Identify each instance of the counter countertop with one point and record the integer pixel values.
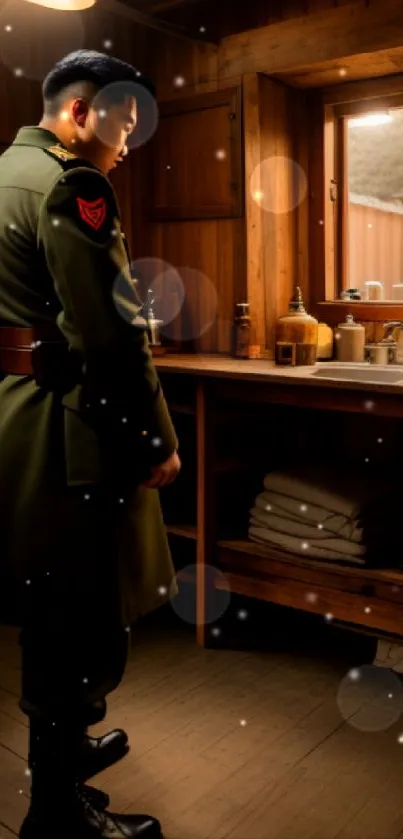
(263, 370)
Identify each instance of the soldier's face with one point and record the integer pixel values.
(106, 130)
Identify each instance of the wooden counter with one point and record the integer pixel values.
(213, 392)
(260, 371)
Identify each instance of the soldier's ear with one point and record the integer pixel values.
(80, 110)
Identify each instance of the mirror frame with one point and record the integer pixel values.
(331, 109)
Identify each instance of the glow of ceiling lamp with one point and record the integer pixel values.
(370, 120)
(64, 5)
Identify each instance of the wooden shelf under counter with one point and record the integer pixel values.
(365, 599)
(372, 597)
(185, 531)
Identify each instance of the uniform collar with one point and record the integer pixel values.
(34, 135)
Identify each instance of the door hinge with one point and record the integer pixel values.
(333, 190)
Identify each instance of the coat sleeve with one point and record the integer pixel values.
(80, 235)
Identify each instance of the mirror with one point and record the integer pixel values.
(372, 222)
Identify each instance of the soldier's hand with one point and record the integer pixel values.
(165, 473)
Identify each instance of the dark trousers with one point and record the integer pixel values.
(73, 644)
(73, 654)
(70, 660)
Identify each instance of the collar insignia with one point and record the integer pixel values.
(61, 153)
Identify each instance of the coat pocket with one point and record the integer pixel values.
(82, 448)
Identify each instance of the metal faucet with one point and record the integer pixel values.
(390, 339)
(391, 328)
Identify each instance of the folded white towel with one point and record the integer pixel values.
(290, 544)
(301, 528)
(339, 546)
(334, 490)
(294, 510)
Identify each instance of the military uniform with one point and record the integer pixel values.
(82, 538)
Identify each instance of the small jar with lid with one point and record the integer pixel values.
(296, 338)
(350, 341)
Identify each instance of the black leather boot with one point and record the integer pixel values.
(98, 799)
(97, 753)
(83, 821)
(58, 807)
(95, 712)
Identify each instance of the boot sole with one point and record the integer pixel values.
(29, 830)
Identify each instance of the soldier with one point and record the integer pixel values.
(86, 440)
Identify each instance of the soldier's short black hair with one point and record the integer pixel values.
(90, 66)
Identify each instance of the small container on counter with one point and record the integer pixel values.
(397, 291)
(325, 342)
(380, 353)
(242, 332)
(373, 291)
(351, 294)
(350, 340)
(296, 336)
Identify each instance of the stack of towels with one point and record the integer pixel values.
(323, 513)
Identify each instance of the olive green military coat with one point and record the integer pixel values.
(61, 253)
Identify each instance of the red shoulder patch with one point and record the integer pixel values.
(92, 212)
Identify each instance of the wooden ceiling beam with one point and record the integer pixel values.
(151, 22)
(333, 34)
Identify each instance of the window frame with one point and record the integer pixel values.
(329, 152)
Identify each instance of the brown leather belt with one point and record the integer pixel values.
(19, 346)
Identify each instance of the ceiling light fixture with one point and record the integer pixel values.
(370, 120)
(64, 5)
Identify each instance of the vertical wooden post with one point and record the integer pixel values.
(271, 217)
(254, 222)
(343, 279)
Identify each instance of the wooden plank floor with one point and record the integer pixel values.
(227, 743)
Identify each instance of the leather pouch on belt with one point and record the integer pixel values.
(82, 450)
(54, 366)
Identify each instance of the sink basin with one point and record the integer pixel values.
(374, 373)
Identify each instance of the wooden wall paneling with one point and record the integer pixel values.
(130, 183)
(341, 31)
(127, 39)
(215, 248)
(314, 6)
(226, 17)
(179, 69)
(231, 271)
(295, 8)
(197, 158)
(209, 256)
(280, 219)
(272, 208)
(202, 290)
